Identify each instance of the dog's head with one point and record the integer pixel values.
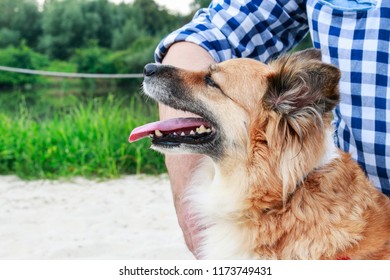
(245, 106)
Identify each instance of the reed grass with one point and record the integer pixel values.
(88, 140)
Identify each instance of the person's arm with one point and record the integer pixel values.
(192, 57)
(229, 29)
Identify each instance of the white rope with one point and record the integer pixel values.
(70, 75)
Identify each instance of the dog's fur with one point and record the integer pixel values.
(274, 185)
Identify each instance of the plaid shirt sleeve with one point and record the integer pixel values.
(230, 29)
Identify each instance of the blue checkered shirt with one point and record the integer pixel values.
(353, 35)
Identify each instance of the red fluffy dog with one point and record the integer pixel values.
(274, 186)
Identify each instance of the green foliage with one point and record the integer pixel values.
(87, 140)
(23, 18)
(134, 59)
(69, 25)
(64, 27)
(21, 57)
(61, 66)
(93, 60)
(154, 19)
(124, 38)
(131, 60)
(9, 37)
(100, 20)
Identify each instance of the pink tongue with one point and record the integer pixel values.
(165, 126)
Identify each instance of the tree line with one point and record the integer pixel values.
(60, 27)
(95, 36)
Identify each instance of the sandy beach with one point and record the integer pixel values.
(128, 218)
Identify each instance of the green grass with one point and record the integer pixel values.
(89, 139)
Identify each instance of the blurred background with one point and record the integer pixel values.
(53, 127)
(62, 127)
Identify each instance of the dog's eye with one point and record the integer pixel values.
(210, 82)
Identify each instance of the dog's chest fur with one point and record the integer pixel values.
(215, 204)
(319, 225)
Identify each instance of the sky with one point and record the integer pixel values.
(181, 6)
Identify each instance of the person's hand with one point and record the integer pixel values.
(180, 167)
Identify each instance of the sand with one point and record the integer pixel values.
(129, 218)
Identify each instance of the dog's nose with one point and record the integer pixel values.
(150, 69)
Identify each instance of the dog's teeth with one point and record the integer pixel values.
(192, 132)
(175, 134)
(151, 135)
(208, 130)
(158, 133)
(182, 134)
(201, 129)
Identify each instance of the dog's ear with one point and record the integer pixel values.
(301, 83)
